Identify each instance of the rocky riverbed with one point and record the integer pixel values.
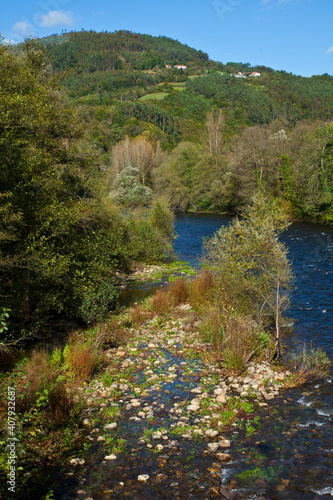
(157, 424)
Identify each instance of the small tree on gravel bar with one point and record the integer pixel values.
(253, 264)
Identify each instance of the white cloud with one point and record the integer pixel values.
(56, 18)
(22, 28)
(330, 50)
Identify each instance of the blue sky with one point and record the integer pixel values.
(291, 35)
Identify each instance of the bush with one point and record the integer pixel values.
(97, 303)
(200, 289)
(60, 403)
(236, 338)
(178, 292)
(36, 376)
(160, 303)
(81, 358)
(308, 363)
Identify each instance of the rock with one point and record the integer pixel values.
(227, 495)
(86, 421)
(193, 408)
(100, 438)
(224, 443)
(143, 478)
(213, 447)
(196, 390)
(221, 398)
(159, 447)
(77, 461)
(110, 457)
(196, 402)
(218, 391)
(111, 426)
(211, 433)
(223, 457)
(120, 354)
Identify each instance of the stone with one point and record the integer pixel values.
(223, 457)
(211, 433)
(111, 457)
(221, 398)
(193, 408)
(159, 447)
(143, 478)
(196, 402)
(213, 447)
(224, 443)
(100, 438)
(111, 426)
(196, 390)
(77, 461)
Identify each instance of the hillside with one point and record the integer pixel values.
(223, 133)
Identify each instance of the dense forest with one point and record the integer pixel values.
(99, 140)
(216, 135)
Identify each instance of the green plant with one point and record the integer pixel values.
(81, 358)
(97, 303)
(308, 363)
(57, 358)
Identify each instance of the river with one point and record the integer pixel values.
(291, 454)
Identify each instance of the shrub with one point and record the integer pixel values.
(36, 375)
(200, 289)
(97, 303)
(81, 358)
(161, 303)
(178, 292)
(308, 363)
(236, 338)
(60, 403)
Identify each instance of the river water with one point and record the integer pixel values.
(290, 456)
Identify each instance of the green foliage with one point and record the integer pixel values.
(128, 191)
(91, 51)
(309, 363)
(60, 233)
(97, 303)
(253, 265)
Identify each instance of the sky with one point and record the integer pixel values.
(291, 35)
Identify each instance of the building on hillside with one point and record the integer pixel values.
(255, 74)
(168, 66)
(180, 66)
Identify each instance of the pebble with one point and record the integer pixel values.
(143, 478)
(111, 426)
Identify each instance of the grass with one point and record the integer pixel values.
(156, 97)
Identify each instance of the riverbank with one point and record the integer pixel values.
(157, 403)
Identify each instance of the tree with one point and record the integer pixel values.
(253, 264)
(57, 241)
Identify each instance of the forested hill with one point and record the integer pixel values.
(206, 136)
(90, 51)
(126, 66)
